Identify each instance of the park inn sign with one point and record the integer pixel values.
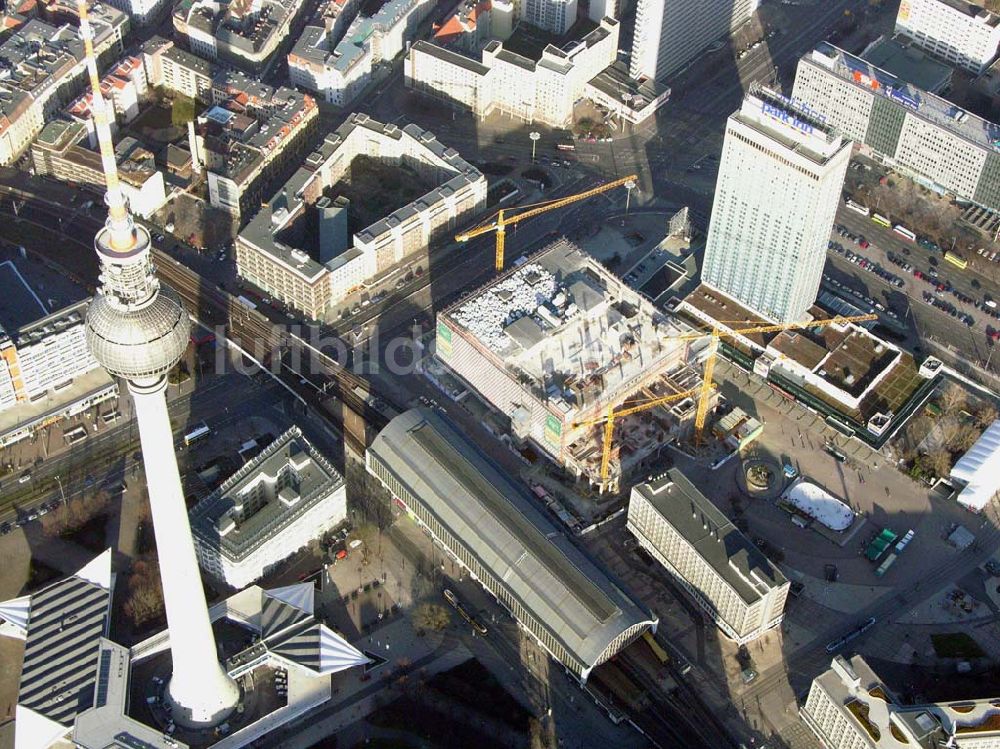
(787, 117)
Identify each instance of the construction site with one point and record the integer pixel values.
(558, 344)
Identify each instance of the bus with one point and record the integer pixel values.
(566, 146)
(904, 233)
(857, 207)
(246, 302)
(881, 220)
(955, 259)
(200, 432)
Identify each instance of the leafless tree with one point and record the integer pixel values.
(431, 616)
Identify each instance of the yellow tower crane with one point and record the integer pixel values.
(705, 395)
(501, 221)
(608, 420)
(704, 392)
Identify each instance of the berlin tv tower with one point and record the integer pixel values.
(138, 331)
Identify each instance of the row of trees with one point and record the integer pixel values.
(72, 515)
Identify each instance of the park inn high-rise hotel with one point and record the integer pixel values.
(779, 184)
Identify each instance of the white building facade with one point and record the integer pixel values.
(555, 16)
(671, 33)
(543, 91)
(964, 34)
(46, 355)
(721, 569)
(300, 281)
(923, 136)
(142, 12)
(779, 185)
(273, 506)
(339, 68)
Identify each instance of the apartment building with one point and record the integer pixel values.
(779, 185)
(849, 707)
(272, 253)
(42, 69)
(963, 34)
(339, 67)
(250, 130)
(277, 503)
(124, 87)
(708, 556)
(936, 143)
(669, 34)
(533, 91)
(59, 152)
(310, 60)
(177, 70)
(242, 33)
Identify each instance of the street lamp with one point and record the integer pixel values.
(534, 135)
(61, 492)
(629, 187)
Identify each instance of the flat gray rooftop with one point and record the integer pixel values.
(731, 554)
(910, 63)
(497, 522)
(294, 476)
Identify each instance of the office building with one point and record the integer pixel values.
(44, 70)
(177, 70)
(250, 132)
(554, 342)
(669, 34)
(490, 526)
(849, 707)
(47, 373)
(60, 152)
(908, 62)
(267, 511)
(708, 556)
(272, 251)
(961, 33)
(45, 355)
(780, 179)
(555, 16)
(533, 91)
(339, 67)
(923, 136)
(242, 33)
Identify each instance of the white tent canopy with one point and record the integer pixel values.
(979, 470)
(820, 505)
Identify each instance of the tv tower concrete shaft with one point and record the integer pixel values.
(138, 331)
(200, 690)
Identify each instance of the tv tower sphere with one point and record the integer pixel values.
(133, 337)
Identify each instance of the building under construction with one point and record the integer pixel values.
(555, 341)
